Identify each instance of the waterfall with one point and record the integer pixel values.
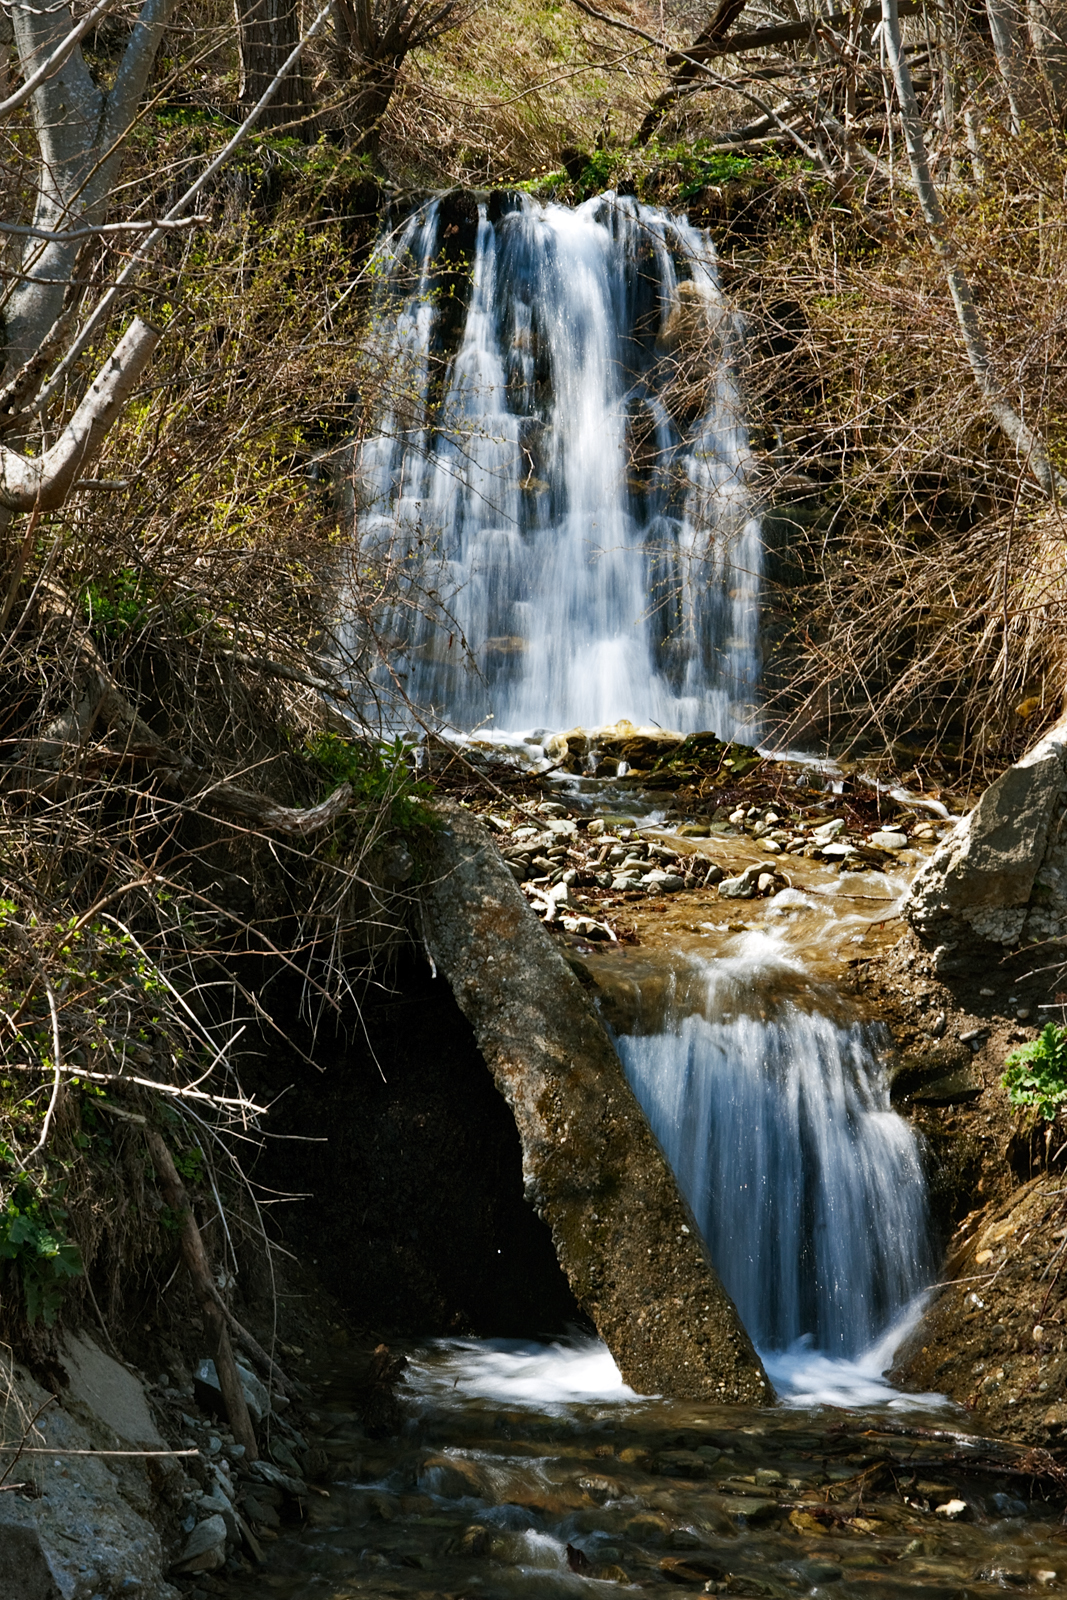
(552, 499)
(807, 1188)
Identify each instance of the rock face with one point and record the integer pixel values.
(81, 1526)
(1002, 872)
(591, 1167)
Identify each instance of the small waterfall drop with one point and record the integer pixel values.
(555, 486)
(808, 1189)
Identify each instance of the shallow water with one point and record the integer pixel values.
(531, 1470)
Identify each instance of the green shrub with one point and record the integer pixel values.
(1036, 1073)
(33, 1239)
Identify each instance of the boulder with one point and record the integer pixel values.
(111, 1392)
(83, 1529)
(1002, 872)
(591, 1166)
(205, 1549)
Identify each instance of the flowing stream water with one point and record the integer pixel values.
(555, 497)
(807, 1188)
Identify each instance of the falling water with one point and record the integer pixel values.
(553, 497)
(807, 1188)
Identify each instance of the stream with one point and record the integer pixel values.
(561, 486)
(528, 1469)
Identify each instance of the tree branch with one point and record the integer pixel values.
(56, 59)
(40, 483)
(1032, 452)
(137, 261)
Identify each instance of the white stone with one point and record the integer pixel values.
(889, 841)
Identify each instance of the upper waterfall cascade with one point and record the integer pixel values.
(808, 1189)
(555, 487)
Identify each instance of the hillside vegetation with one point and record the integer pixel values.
(162, 860)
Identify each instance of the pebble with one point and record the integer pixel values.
(889, 841)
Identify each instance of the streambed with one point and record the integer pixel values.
(530, 1470)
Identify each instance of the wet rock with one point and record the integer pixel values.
(260, 1511)
(451, 1477)
(205, 1549)
(207, 1391)
(692, 1569)
(681, 1464)
(1008, 1505)
(648, 1528)
(592, 1168)
(815, 1571)
(474, 1541)
(277, 1479)
(664, 882)
(744, 887)
(754, 1512)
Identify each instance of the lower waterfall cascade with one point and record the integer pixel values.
(559, 500)
(807, 1188)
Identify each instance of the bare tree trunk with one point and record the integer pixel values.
(1047, 25)
(79, 129)
(1032, 452)
(195, 1258)
(268, 31)
(1009, 44)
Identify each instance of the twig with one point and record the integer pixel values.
(196, 1262)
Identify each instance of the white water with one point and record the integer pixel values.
(521, 1372)
(567, 541)
(807, 1188)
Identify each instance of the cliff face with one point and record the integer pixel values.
(591, 1167)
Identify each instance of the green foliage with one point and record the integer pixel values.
(1036, 1073)
(190, 1164)
(33, 1239)
(116, 604)
(378, 772)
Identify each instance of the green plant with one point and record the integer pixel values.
(115, 604)
(1036, 1073)
(378, 772)
(33, 1238)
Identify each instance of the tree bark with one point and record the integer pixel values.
(79, 130)
(41, 483)
(1047, 26)
(268, 31)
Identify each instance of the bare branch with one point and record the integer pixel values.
(29, 483)
(177, 210)
(48, 68)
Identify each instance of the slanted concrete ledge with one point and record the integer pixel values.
(1002, 872)
(592, 1168)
